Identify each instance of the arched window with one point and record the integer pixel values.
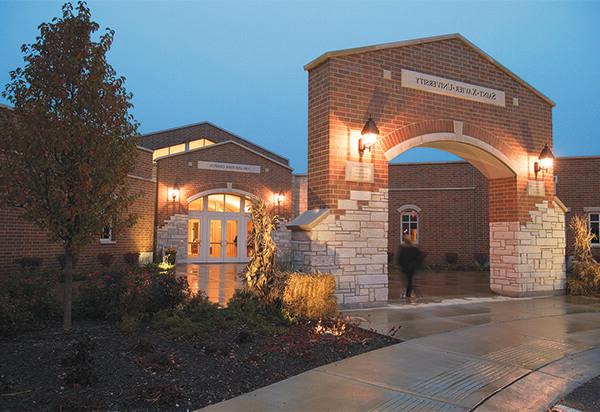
(221, 202)
(409, 222)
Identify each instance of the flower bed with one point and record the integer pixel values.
(98, 367)
(143, 342)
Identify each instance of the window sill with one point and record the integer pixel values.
(595, 245)
(107, 242)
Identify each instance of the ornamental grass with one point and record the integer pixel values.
(585, 276)
(310, 296)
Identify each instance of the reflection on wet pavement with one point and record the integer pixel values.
(218, 280)
(555, 318)
(436, 285)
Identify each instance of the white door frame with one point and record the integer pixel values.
(205, 218)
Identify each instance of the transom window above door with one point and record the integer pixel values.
(221, 202)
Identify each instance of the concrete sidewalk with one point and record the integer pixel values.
(493, 355)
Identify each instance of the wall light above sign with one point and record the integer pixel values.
(452, 88)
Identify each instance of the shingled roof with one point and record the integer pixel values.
(202, 130)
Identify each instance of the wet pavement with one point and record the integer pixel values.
(218, 280)
(492, 354)
(433, 286)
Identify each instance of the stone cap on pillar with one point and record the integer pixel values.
(308, 220)
(560, 204)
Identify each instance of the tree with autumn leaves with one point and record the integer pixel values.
(67, 143)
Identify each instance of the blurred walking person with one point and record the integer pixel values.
(409, 259)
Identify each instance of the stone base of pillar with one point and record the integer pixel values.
(352, 246)
(528, 259)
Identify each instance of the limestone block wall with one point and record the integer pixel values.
(352, 245)
(173, 234)
(529, 258)
(283, 239)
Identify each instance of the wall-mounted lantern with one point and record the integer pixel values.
(174, 192)
(546, 160)
(369, 135)
(279, 198)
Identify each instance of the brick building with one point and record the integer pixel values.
(348, 213)
(447, 203)
(206, 178)
(197, 183)
(443, 206)
(20, 238)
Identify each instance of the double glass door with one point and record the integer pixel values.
(217, 238)
(223, 239)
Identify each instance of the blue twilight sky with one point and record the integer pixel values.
(239, 63)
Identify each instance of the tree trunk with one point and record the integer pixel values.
(68, 290)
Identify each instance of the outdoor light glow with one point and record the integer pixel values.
(546, 163)
(369, 135)
(546, 160)
(280, 198)
(174, 193)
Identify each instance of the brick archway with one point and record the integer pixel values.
(477, 146)
(502, 139)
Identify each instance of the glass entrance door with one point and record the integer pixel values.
(216, 239)
(218, 229)
(224, 240)
(194, 238)
(231, 239)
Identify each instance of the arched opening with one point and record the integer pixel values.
(443, 207)
(218, 225)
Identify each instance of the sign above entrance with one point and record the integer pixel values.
(453, 88)
(228, 167)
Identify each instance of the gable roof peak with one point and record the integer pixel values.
(456, 36)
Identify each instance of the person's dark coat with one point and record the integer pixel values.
(410, 258)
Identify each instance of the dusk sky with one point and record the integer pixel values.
(239, 64)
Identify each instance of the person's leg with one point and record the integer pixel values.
(409, 284)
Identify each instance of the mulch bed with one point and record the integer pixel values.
(586, 397)
(97, 367)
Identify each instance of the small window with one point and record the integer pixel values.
(178, 148)
(410, 226)
(194, 144)
(160, 153)
(595, 227)
(106, 236)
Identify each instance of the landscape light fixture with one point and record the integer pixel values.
(369, 135)
(546, 160)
